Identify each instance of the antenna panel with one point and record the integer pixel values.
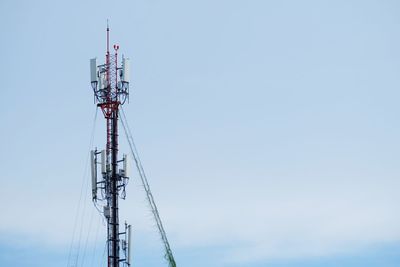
(94, 173)
(129, 245)
(126, 166)
(102, 80)
(125, 70)
(103, 161)
(93, 70)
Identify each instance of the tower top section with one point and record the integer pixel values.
(110, 82)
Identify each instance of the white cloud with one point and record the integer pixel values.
(302, 219)
(256, 215)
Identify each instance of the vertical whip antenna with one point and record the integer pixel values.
(108, 38)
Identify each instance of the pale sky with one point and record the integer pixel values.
(268, 130)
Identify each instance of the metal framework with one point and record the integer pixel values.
(110, 85)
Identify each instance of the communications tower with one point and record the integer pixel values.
(110, 84)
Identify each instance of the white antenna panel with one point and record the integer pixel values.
(94, 173)
(129, 245)
(93, 70)
(126, 70)
(102, 81)
(103, 161)
(127, 168)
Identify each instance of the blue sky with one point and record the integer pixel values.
(268, 130)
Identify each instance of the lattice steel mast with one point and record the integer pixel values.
(110, 85)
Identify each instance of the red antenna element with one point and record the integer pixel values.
(111, 91)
